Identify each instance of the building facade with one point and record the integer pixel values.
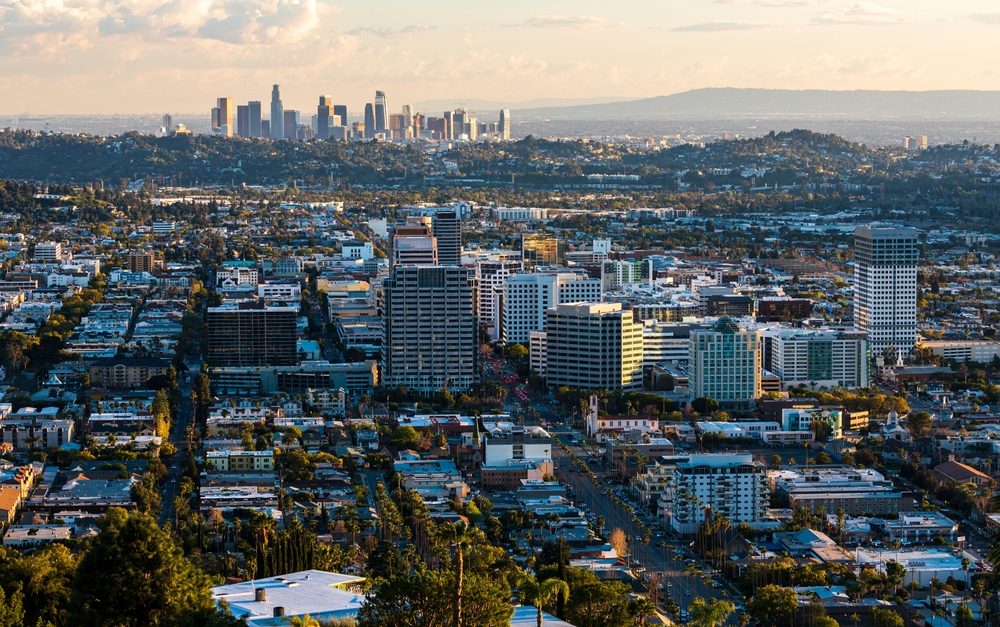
(732, 485)
(885, 288)
(725, 364)
(527, 297)
(817, 358)
(431, 332)
(593, 346)
(251, 333)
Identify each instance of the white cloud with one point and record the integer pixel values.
(27, 24)
(986, 18)
(858, 13)
(387, 32)
(708, 27)
(564, 21)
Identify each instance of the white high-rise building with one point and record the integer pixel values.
(492, 276)
(732, 485)
(817, 358)
(885, 288)
(527, 297)
(725, 364)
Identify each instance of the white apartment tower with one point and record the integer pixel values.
(732, 485)
(885, 288)
(527, 297)
(492, 277)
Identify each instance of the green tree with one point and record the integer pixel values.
(132, 574)
(705, 405)
(426, 598)
(45, 576)
(713, 613)
(12, 608)
(538, 593)
(918, 422)
(595, 603)
(773, 605)
(405, 437)
(895, 573)
(886, 618)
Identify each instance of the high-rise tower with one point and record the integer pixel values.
(431, 332)
(381, 113)
(448, 231)
(277, 114)
(885, 288)
(255, 119)
(324, 117)
(504, 124)
(369, 120)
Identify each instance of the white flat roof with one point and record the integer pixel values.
(314, 592)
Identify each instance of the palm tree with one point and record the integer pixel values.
(458, 535)
(538, 593)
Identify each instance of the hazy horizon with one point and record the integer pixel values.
(120, 57)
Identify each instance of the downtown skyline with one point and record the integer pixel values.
(139, 56)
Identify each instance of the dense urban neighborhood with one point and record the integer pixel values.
(536, 382)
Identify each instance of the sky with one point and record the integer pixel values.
(149, 56)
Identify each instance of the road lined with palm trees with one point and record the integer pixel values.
(681, 580)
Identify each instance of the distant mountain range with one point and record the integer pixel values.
(712, 103)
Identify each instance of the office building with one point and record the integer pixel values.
(593, 346)
(449, 125)
(408, 126)
(817, 358)
(666, 342)
(431, 334)
(254, 113)
(324, 117)
(504, 127)
(381, 113)
(701, 486)
(540, 249)
(251, 333)
(369, 125)
(725, 364)
(827, 489)
(340, 113)
(141, 261)
(976, 351)
(459, 121)
(617, 274)
(515, 454)
(167, 124)
(492, 277)
(414, 243)
(222, 117)
(885, 289)
(243, 120)
(448, 231)
(277, 114)
(527, 298)
(48, 251)
(290, 124)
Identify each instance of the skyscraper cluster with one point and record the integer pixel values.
(331, 122)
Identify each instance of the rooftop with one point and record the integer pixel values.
(321, 594)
